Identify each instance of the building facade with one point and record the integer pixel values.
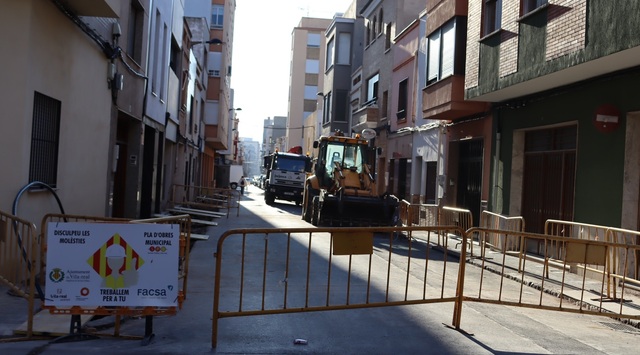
(306, 77)
(560, 75)
(60, 114)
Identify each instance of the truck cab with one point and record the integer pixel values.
(285, 176)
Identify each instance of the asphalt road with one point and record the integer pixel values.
(415, 329)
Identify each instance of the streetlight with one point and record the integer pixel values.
(211, 41)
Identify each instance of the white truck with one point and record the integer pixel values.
(286, 173)
(228, 176)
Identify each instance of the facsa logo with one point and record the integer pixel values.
(152, 292)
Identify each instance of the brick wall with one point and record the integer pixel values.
(566, 27)
(509, 37)
(473, 46)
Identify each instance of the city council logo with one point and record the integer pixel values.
(56, 275)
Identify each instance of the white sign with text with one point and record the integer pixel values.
(102, 264)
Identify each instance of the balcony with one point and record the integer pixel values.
(365, 117)
(93, 8)
(444, 100)
(215, 138)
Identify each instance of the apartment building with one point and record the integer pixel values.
(404, 111)
(306, 77)
(113, 102)
(219, 108)
(382, 21)
(561, 77)
(58, 116)
(336, 87)
(274, 135)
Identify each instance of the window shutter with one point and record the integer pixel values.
(434, 57)
(448, 48)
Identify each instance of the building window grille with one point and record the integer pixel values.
(45, 136)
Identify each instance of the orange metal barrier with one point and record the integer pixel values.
(275, 271)
(417, 214)
(590, 295)
(490, 220)
(18, 261)
(316, 269)
(622, 264)
(184, 222)
(626, 261)
(460, 217)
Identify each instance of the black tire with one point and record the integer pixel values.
(233, 185)
(315, 211)
(269, 198)
(307, 208)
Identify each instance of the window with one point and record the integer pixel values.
(385, 104)
(312, 66)
(174, 59)
(163, 64)
(403, 86)
(326, 112)
(374, 28)
(344, 48)
(387, 41)
(156, 53)
(530, 5)
(313, 40)
(135, 32)
(330, 53)
(372, 88)
(381, 22)
(441, 52)
(491, 16)
(340, 104)
(214, 63)
(191, 112)
(217, 16)
(45, 136)
(310, 92)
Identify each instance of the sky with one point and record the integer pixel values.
(261, 56)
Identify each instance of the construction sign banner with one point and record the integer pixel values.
(101, 264)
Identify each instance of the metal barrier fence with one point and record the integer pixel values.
(622, 263)
(184, 221)
(206, 198)
(417, 214)
(316, 269)
(23, 267)
(626, 261)
(490, 220)
(426, 215)
(460, 217)
(590, 295)
(275, 271)
(19, 260)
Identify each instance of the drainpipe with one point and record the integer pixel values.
(496, 169)
(441, 161)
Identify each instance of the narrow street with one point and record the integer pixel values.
(426, 329)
